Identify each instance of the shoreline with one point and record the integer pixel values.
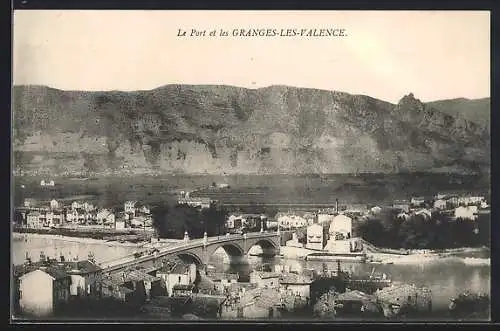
(414, 257)
(81, 240)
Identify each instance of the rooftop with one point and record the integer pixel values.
(267, 275)
(353, 296)
(54, 271)
(291, 278)
(138, 275)
(174, 268)
(57, 267)
(183, 287)
(221, 276)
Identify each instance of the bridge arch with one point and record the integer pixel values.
(188, 257)
(268, 246)
(233, 251)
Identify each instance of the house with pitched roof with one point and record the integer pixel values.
(43, 290)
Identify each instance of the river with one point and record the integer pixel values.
(445, 277)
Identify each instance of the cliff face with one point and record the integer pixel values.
(223, 129)
(477, 110)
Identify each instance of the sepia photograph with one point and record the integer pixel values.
(319, 166)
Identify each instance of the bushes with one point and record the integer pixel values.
(172, 221)
(417, 232)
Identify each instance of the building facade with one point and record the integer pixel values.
(315, 237)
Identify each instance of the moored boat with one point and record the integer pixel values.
(350, 257)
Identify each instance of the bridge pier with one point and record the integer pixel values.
(238, 259)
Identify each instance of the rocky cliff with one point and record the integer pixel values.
(224, 129)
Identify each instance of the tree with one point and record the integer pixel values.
(373, 231)
(173, 221)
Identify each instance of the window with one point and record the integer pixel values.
(179, 279)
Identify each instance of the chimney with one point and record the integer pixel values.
(27, 259)
(336, 205)
(43, 258)
(75, 263)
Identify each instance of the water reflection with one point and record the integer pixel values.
(446, 278)
(54, 247)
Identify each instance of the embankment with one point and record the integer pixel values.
(82, 240)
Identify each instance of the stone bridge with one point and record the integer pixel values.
(199, 251)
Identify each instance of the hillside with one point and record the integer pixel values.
(477, 110)
(224, 129)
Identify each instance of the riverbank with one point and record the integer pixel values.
(80, 240)
(414, 257)
(431, 257)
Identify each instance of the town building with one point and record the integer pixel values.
(182, 290)
(112, 287)
(44, 182)
(294, 242)
(271, 224)
(43, 290)
(264, 279)
(279, 268)
(222, 281)
(34, 220)
(315, 237)
(402, 205)
(259, 303)
(440, 204)
(76, 205)
(470, 200)
(234, 222)
(54, 204)
(469, 212)
(84, 276)
(340, 227)
(145, 285)
(173, 273)
(325, 218)
(291, 221)
(296, 284)
(339, 234)
(105, 216)
(375, 210)
(30, 203)
(129, 207)
(403, 216)
(197, 202)
(120, 224)
(425, 213)
(417, 202)
(441, 196)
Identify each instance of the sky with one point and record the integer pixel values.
(385, 54)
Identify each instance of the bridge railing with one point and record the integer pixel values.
(194, 243)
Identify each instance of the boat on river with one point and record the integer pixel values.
(369, 283)
(347, 257)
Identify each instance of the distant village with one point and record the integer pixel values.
(339, 220)
(55, 214)
(134, 215)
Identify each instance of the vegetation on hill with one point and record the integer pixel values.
(477, 110)
(224, 129)
(439, 232)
